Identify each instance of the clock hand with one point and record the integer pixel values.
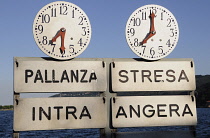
(61, 33)
(152, 31)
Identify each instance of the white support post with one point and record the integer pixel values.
(15, 102)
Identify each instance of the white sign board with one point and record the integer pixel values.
(142, 111)
(59, 113)
(162, 75)
(39, 75)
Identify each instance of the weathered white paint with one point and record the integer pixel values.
(162, 75)
(60, 113)
(139, 111)
(38, 75)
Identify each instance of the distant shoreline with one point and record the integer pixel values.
(6, 109)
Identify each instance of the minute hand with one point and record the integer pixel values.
(61, 33)
(152, 29)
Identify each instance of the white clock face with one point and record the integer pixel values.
(62, 30)
(152, 32)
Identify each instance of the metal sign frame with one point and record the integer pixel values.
(107, 87)
(162, 75)
(59, 113)
(47, 75)
(144, 111)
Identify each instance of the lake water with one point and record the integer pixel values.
(202, 129)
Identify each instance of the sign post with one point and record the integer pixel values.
(109, 77)
(43, 75)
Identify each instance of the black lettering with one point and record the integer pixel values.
(53, 77)
(181, 77)
(157, 75)
(38, 77)
(170, 75)
(28, 73)
(152, 111)
(121, 75)
(47, 81)
(33, 113)
(64, 76)
(161, 110)
(136, 112)
(74, 76)
(85, 114)
(71, 112)
(146, 75)
(83, 76)
(119, 112)
(134, 74)
(58, 111)
(185, 110)
(175, 109)
(42, 111)
(92, 77)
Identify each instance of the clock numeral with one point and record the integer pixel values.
(44, 40)
(144, 47)
(160, 48)
(81, 21)
(63, 10)
(84, 29)
(53, 49)
(80, 42)
(136, 42)
(172, 32)
(154, 11)
(136, 21)
(169, 22)
(168, 43)
(132, 31)
(162, 15)
(152, 51)
(71, 48)
(40, 28)
(144, 16)
(73, 13)
(45, 18)
(53, 12)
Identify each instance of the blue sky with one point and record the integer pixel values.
(108, 20)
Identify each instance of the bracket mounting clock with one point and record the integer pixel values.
(152, 32)
(62, 30)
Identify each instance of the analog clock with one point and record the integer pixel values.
(152, 32)
(62, 30)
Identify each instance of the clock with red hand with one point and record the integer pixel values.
(62, 30)
(152, 32)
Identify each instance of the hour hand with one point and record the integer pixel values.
(152, 31)
(60, 33)
(148, 37)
